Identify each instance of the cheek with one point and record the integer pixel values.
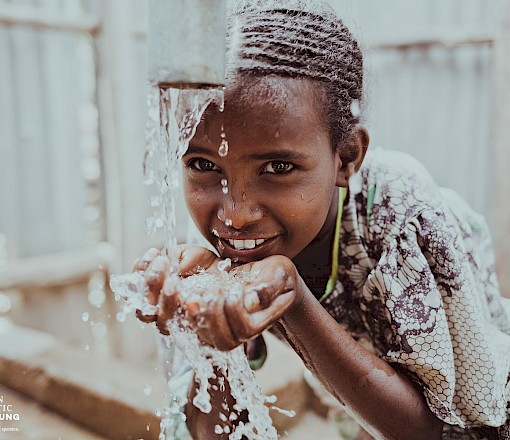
(200, 203)
(306, 210)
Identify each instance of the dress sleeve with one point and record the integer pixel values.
(431, 299)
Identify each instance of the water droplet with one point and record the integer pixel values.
(355, 108)
(147, 390)
(155, 201)
(223, 150)
(86, 348)
(225, 190)
(228, 222)
(224, 182)
(271, 399)
(97, 297)
(85, 317)
(225, 264)
(218, 429)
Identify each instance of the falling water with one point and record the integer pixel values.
(172, 121)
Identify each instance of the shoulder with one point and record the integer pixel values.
(391, 189)
(392, 170)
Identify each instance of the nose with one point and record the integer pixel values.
(238, 214)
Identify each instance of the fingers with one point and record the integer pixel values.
(262, 319)
(168, 304)
(155, 277)
(207, 317)
(247, 323)
(145, 318)
(219, 326)
(191, 258)
(143, 262)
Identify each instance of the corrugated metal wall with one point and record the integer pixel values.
(51, 191)
(432, 101)
(49, 168)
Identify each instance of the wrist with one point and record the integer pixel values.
(301, 290)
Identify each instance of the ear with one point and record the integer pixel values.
(352, 153)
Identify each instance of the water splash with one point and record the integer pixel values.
(206, 360)
(172, 120)
(171, 123)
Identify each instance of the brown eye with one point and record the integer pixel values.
(201, 164)
(278, 167)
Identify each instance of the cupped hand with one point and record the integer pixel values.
(225, 320)
(161, 286)
(221, 318)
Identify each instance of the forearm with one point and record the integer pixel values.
(201, 425)
(383, 400)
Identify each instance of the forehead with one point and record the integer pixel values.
(269, 104)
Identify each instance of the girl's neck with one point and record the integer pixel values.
(314, 262)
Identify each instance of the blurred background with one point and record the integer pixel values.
(73, 105)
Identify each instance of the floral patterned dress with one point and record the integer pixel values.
(416, 283)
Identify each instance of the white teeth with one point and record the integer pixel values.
(245, 244)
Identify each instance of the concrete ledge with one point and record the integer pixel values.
(107, 397)
(38, 423)
(104, 396)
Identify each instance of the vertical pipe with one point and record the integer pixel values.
(186, 43)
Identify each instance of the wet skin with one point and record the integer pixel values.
(281, 173)
(282, 176)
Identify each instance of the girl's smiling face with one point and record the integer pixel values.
(281, 171)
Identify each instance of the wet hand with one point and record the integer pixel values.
(161, 286)
(225, 320)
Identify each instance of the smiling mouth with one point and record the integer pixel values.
(248, 246)
(245, 244)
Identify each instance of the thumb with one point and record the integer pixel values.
(192, 258)
(275, 276)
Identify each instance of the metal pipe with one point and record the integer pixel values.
(186, 43)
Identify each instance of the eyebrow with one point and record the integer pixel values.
(274, 155)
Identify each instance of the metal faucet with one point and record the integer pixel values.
(186, 43)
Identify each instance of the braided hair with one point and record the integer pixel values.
(300, 39)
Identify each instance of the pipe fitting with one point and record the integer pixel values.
(186, 43)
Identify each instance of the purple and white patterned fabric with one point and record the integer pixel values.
(416, 282)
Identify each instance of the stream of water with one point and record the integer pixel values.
(173, 117)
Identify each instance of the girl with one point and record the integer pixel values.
(382, 282)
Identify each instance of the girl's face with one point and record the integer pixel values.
(280, 172)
